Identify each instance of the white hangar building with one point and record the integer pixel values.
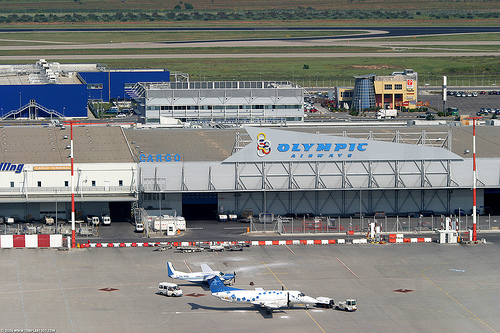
(35, 172)
(328, 171)
(199, 172)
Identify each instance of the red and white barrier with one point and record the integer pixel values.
(393, 239)
(30, 241)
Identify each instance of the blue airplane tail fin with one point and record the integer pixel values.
(170, 269)
(216, 285)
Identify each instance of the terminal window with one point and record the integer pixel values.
(398, 87)
(120, 182)
(11, 184)
(388, 86)
(66, 183)
(93, 183)
(39, 183)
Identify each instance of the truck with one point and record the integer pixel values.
(387, 114)
(169, 289)
(328, 303)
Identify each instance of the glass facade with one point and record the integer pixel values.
(364, 92)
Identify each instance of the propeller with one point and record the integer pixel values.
(288, 299)
(234, 276)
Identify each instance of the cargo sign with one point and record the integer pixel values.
(52, 168)
(7, 166)
(159, 158)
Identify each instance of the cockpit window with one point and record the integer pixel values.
(302, 295)
(221, 274)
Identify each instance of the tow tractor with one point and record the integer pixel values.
(328, 303)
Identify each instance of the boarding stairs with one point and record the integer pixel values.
(32, 111)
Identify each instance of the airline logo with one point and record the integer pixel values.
(263, 145)
(6, 166)
(310, 149)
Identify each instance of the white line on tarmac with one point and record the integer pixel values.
(347, 267)
(289, 249)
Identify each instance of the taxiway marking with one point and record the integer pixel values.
(347, 267)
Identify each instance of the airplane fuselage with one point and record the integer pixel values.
(279, 298)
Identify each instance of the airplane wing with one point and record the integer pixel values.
(205, 268)
(272, 304)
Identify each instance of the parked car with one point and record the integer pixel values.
(459, 212)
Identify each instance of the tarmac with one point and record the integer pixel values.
(422, 287)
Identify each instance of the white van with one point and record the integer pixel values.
(169, 289)
(106, 220)
(93, 220)
(139, 227)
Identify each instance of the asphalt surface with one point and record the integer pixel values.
(421, 287)
(211, 230)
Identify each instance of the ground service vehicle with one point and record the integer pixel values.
(169, 289)
(139, 227)
(325, 302)
(49, 220)
(94, 220)
(347, 305)
(106, 220)
(387, 114)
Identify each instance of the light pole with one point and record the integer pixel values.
(474, 176)
(73, 245)
(474, 68)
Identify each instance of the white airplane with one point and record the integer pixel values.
(198, 277)
(269, 299)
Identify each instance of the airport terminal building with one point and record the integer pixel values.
(201, 172)
(229, 101)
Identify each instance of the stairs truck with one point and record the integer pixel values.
(387, 114)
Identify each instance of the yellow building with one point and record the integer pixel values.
(397, 90)
(393, 91)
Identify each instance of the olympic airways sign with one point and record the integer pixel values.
(309, 150)
(277, 145)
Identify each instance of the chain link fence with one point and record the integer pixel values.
(361, 225)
